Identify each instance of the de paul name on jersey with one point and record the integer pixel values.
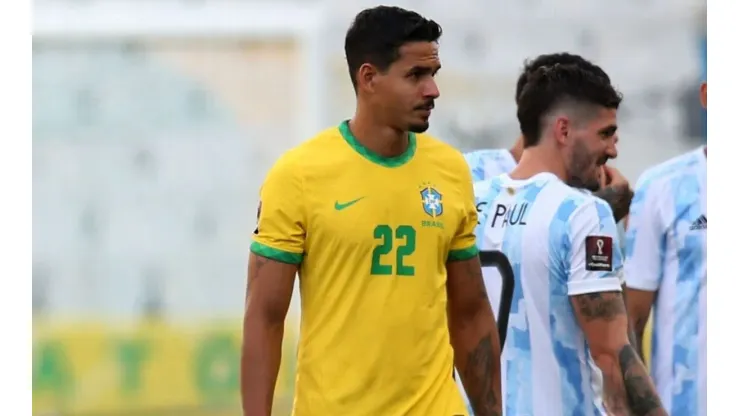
(513, 214)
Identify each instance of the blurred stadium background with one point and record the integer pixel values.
(155, 121)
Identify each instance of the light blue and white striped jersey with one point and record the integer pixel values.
(561, 243)
(666, 252)
(489, 163)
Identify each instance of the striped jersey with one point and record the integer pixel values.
(666, 252)
(489, 163)
(484, 166)
(561, 243)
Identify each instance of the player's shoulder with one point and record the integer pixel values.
(659, 177)
(484, 155)
(321, 141)
(295, 158)
(486, 163)
(435, 148)
(576, 203)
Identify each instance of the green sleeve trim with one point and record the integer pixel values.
(276, 254)
(464, 254)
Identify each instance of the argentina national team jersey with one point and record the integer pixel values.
(666, 253)
(489, 163)
(561, 243)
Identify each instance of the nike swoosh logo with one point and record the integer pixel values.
(339, 207)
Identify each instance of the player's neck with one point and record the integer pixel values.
(536, 160)
(517, 149)
(380, 139)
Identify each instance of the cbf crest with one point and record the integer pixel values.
(431, 200)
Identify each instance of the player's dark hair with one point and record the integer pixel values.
(550, 87)
(377, 34)
(562, 58)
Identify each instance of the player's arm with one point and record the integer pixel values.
(473, 331)
(645, 239)
(616, 192)
(594, 288)
(276, 252)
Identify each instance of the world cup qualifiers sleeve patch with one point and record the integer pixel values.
(259, 210)
(599, 253)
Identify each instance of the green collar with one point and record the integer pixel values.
(389, 162)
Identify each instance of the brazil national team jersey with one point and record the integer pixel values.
(372, 236)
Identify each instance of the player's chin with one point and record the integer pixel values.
(419, 126)
(592, 185)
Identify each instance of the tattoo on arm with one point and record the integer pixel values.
(482, 392)
(627, 384)
(641, 395)
(604, 305)
(475, 336)
(618, 198)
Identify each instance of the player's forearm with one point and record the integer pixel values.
(261, 353)
(628, 389)
(478, 359)
(638, 325)
(631, 333)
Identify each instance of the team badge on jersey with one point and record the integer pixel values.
(431, 201)
(599, 253)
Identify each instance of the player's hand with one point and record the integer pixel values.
(616, 191)
(602, 177)
(611, 176)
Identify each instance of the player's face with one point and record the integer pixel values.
(407, 90)
(703, 94)
(591, 145)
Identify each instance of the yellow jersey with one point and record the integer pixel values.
(372, 236)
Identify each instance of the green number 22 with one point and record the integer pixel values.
(384, 233)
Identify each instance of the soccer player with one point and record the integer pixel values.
(666, 269)
(568, 318)
(488, 163)
(379, 221)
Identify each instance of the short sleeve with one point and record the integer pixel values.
(281, 225)
(463, 243)
(645, 239)
(594, 263)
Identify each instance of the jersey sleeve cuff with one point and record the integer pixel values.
(641, 284)
(620, 275)
(275, 253)
(605, 284)
(463, 254)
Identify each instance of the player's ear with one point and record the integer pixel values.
(366, 76)
(703, 94)
(562, 128)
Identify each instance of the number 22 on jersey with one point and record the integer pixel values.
(403, 239)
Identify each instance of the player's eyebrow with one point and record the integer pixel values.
(424, 70)
(608, 131)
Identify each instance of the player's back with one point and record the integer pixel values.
(547, 369)
(488, 163)
(378, 232)
(666, 253)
